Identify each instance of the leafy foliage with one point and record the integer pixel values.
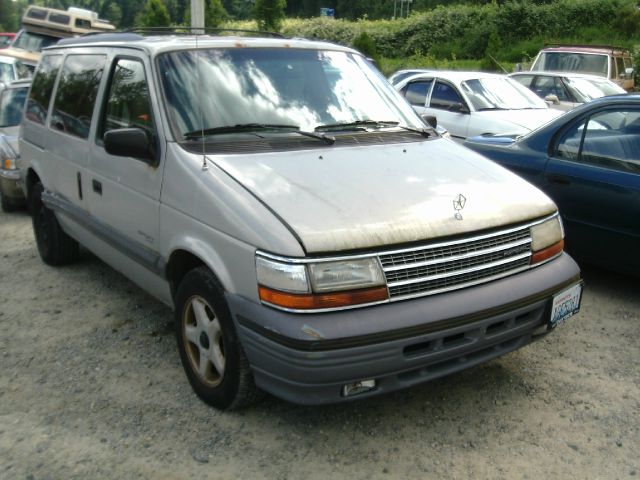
(154, 14)
(269, 14)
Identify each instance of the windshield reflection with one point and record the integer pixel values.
(500, 94)
(207, 89)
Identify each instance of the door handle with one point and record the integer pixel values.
(97, 187)
(558, 179)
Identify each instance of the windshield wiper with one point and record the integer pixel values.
(361, 124)
(356, 125)
(252, 127)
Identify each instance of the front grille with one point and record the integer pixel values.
(448, 266)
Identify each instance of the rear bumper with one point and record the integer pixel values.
(308, 358)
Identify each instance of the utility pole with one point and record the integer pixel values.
(197, 16)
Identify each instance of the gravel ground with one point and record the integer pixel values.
(91, 386)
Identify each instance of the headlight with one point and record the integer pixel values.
(282, 276)
(547, 239)
(7, 155)
(320, 285)
(345, 275)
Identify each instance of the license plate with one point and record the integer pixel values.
(565, 304)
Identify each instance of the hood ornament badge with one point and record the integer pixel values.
(458, 205)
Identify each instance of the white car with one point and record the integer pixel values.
(566, 90)
(468, 104)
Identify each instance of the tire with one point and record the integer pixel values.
(54, 245)
(210, 351)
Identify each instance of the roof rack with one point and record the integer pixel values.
(609, 47)
(197, 30)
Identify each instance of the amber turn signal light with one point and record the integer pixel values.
(547, 253)
(311, 301)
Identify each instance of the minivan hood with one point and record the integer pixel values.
(528, 119)
(349, 198)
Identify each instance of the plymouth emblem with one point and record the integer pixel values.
(458, 205)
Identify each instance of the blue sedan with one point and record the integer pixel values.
(588, 162)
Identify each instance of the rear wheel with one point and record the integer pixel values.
(211, 353)
(54, 245)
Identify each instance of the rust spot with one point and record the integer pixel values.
(239, 45)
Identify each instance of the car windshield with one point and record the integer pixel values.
(34, 42)
(586, 89)
(499, 93)
(216, 89)
(572, 62)
(11, 106)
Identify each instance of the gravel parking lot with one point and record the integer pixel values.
(91, 386)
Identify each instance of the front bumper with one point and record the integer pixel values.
(11, 184)
(308, 358)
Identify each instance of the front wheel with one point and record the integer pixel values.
(210, 351)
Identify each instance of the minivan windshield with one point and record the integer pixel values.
(216, 89)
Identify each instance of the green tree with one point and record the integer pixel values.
(8, 16)
(365, 44)
(214, 13)
(269, 14)
(154, 14)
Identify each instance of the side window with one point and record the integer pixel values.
(546, 85)
(76, 94)
(41, 89)
(444, 96)
(416, 92)
(611, 140)
(524, 80)
(620, 66)
(128, 103)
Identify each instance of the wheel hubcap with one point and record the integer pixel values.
(202, 337)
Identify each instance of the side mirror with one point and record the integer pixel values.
(430, 120)
(130, 142)
(458, 107)
(552, 99)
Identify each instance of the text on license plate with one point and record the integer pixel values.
(565, 304)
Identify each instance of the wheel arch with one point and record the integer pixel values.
(183, 260)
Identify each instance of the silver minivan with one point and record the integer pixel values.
(315, 238)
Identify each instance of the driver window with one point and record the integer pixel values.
(416, 92)
(128, 103)
(444, 96)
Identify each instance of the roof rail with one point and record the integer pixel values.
(610, 47)
(178, 30)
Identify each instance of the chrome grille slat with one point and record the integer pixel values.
(465, 256)
(456, 272)
(431, 269)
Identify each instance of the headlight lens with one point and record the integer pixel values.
(320, 285)
(7, 155)
(546, 233)
(282, 276)
(547, 240)
(346, 275)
